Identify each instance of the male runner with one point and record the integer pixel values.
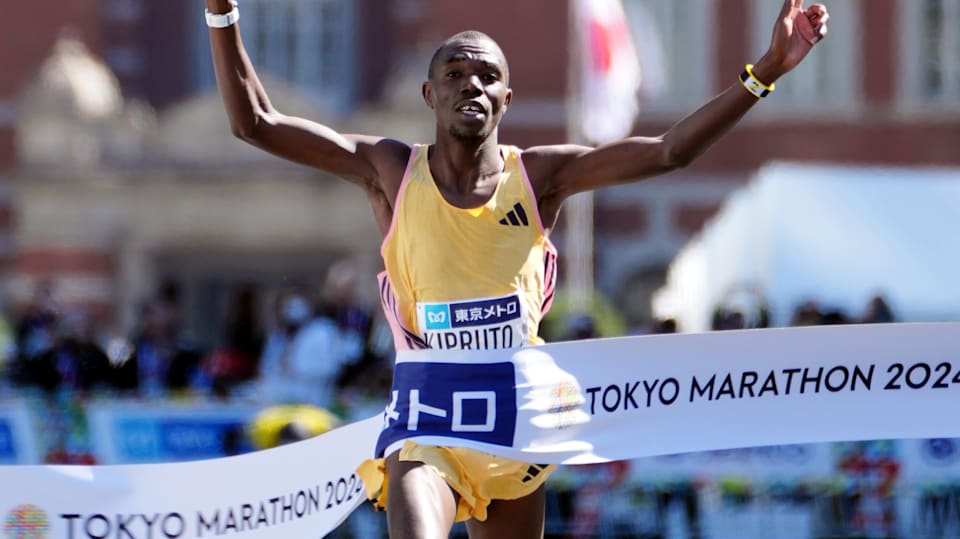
(466, 222)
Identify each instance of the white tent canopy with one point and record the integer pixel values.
(837, 235)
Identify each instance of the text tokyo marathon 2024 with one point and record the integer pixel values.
(217, 522)
(773, 383)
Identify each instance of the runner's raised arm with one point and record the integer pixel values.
(560, 171)
(375, 163)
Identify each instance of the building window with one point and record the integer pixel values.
(674, 43)
(828, 78)
(309, 43)
(931, 53)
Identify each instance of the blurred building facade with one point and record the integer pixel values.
(119, 169)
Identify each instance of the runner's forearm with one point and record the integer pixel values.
(243, 96)
(691, 136)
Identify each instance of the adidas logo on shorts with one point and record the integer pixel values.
(533, 471)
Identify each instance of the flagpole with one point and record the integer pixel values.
(578, 209)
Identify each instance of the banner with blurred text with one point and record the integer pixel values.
(164, 432)
(17, 445)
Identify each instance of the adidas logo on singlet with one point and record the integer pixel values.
(515, 217)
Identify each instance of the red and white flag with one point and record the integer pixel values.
(609, 71)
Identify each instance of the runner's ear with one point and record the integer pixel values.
(427, 91)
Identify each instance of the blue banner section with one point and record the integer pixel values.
(472, 402)
(8, 449)
(144, 440)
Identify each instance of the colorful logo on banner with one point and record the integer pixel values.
(26, 521)
(565, 405)
(472, 402)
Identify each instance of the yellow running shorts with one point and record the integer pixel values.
(476, 476)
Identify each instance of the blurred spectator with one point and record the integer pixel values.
(367, 356)
(806, 314)
(608, 320)
(741, 308)
(602, 503)
(292, 311)
(35, 333)
(234, 441)
(304, 355)
(352, 317)
(317, 357)
(869, 470)
(809, 313)
(668, 325)
(161, 358)
(66, 431)
(834, 317)
(724, 319)
(878, 311)
(236, 360)
(75, 362)
(580, 326)
(8, 347)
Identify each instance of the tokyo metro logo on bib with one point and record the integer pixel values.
(437, 316)
(476, 324)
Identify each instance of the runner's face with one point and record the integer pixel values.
(468, 90)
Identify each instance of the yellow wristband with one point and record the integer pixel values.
(753, 85)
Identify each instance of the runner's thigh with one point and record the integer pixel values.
(420, 504)
(508, 519)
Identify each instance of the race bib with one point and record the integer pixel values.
(478, 324)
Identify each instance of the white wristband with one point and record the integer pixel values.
(224, 20)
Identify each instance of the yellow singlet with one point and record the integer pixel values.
(479, 278)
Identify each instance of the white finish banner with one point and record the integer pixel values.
(624, 398)
(578, 402)
(301, 490)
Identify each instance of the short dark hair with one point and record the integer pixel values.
(468, 35)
